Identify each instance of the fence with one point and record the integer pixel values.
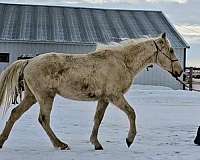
(192, 77)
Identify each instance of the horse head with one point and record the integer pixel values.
(165, 56)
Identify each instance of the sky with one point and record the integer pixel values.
(183, 14)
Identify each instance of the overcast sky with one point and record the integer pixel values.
(184, 14)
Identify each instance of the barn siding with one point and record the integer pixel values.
(32, 49)
(155, 76)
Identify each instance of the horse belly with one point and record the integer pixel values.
(78, 95)
(77, 91)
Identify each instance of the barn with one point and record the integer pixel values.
(29, 30)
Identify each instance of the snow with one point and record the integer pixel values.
(167, 121)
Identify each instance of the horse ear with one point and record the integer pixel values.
(163, 35)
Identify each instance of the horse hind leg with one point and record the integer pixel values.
(100, 110)
(16, 113)
(44, 118)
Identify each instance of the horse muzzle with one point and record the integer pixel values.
(176, 73)
(176, 69)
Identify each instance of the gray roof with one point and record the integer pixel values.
(83, 25)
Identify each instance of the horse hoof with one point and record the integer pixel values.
(65, 147)
(98, 148)
(197, 139)
(1, 145)
(197, 142)
(128, 142)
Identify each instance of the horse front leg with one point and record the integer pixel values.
(100, 110)
(122, 104)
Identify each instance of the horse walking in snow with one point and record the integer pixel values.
(104, 75)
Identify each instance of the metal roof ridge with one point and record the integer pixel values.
(82, 7)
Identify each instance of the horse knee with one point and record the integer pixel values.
(131, 113)
(14, 114)
(41, 119)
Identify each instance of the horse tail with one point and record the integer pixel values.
(9, 82)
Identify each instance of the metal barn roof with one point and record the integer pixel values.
(85, 25)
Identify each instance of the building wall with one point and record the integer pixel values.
(154, 76)
(33, 49)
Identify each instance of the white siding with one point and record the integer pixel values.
(32, 49)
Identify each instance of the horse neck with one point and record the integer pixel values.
(138, 56)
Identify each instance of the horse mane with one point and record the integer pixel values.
(119, 45)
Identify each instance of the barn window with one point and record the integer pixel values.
(4, 57)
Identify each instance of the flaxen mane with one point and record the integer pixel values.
(121, 44)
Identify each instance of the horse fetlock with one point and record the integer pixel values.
(2, 140)
(62, 146)
(1, 144)
(128, 142)
(130, 139)
(93, 139)
(96, 143)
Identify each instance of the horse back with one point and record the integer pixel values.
(80, 77)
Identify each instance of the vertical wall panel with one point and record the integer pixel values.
(26, 19)
(88, 23)
(72, 24)
(116, 24)
(42, 27)
(101, 21)
(57, 24)
(8, 27)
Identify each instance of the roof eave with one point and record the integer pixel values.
(47, 42)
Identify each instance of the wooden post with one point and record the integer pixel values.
(190, 78)
(184, 78)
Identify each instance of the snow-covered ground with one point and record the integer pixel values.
(167, 121)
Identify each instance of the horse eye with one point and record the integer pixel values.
(171, 50)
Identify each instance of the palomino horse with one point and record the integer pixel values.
(104, 76)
